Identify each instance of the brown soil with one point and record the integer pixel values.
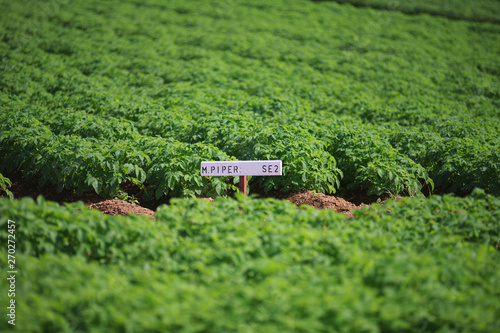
(316, 200)
(322, 201)
(22, 187)
(120, 207)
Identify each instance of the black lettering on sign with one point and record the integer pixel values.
(212, 169)
(204, 169)
(276, 168)
(235, 169)
(224, 168)
(229, 169)
(269, 168)
(264, 168)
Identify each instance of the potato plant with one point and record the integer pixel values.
(259, 265)
(371, 97)
(389, 107)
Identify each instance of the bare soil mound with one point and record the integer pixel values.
(322, 201)
(22, 187)
(120, 207)
(316, 200)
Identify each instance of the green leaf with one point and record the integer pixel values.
(158, 193)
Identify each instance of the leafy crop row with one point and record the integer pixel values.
(349, 98)
(70, 161)
(481, 10)
(258, 265)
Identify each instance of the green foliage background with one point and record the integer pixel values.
(371, 97)
(369, 100)
(257, 265)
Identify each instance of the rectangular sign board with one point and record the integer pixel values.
(241, 168)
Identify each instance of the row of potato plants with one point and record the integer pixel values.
(257, 265)
(368, 109)
(70, 161)
(481, 10)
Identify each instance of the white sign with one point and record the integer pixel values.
(241, 168)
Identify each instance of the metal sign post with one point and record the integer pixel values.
(241, 169)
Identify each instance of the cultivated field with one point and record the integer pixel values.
(359, 99)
